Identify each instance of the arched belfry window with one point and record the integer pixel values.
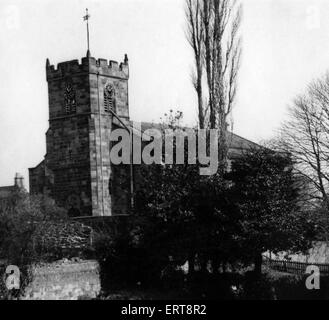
(69, 96)
(109, 98)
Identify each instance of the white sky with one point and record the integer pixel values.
(286, 45)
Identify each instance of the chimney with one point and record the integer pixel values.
(19, 181)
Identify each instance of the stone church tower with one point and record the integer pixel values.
(76, 171)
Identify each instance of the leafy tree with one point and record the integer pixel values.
(33, 229)
(266, 191)
(257, 208)
(186, 214)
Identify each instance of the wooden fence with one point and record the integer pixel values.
(294, 267)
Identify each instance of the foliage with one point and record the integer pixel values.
(54, 240)
(319, 217)
(181, 215)
(265, 189)
(178, 210)
(205, 219)
(124, 259)
(34, 230)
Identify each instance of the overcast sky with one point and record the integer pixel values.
(285, 46)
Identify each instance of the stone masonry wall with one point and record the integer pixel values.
(77, 162)
(37, 178)
(64, 281)
(101, 74)
(76, 171)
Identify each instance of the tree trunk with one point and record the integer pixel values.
(215, 265)
(204, 263)
(191, 264)
(258, 264)
(200, 95)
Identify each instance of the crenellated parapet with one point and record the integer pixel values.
(90, 65)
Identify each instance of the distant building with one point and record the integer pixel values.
(8, 191)
(76, 170)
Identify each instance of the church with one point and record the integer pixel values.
(87, 100)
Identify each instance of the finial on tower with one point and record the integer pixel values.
(88, 54)
(126, 59)
(47, 63)
(86, 18)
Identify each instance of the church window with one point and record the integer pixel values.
(70, 101)
(109, 98)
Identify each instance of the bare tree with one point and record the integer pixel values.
(213, 32)
(195, 35)
(222, 20)
(306, 136)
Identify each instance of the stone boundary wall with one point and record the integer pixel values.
(65, 280)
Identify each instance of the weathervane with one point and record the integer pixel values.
(86, 18)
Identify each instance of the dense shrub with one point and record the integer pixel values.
(292, 287)
(257, 287)
(53, 240)
(124, 257)
(34, 230)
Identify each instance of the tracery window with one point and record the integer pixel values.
(70, 100)
(109, 98)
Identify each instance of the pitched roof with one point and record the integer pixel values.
(236, 143)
